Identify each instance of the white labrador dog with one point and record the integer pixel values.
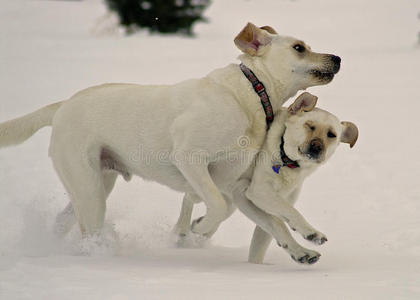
(299, 141)
(183, 135)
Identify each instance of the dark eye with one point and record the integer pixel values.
(310, 126)
(331, 134)
(299, 48)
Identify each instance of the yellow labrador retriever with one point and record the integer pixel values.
(299, 141)
(183, 136)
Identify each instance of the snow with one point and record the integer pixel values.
(365, 199)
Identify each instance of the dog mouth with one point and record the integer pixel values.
(327, 73)
(322, 76)
(310, 157)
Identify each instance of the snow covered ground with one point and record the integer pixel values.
(367, 200)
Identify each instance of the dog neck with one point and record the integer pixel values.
(276, 88)
(292, 164)
(279, 129)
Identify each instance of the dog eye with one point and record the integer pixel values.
(310, 126)
(331, 134)
(299, 48)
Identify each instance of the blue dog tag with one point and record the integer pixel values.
(276, 168)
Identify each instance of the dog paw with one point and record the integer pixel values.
(105, 242)
(317, 238)
(198, 227)
(179, 234)
(179, 240)
(305, 256)
(191, 241)
(195, 226)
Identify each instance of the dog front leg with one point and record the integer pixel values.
(269, 225)
(198, 177)
(182, 227)
(297, 222)
(275, 205)
(259, 244)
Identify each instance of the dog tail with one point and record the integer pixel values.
(18, 130)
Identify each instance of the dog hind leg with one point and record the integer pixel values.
(81, 175)
(66, 219)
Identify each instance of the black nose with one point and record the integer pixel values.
(315, 148)
(336, 59)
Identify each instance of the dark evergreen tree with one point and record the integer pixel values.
(164, 16)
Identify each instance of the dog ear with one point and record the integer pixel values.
(252, 39)
(305, 102)
(269, 29)
(350, 133)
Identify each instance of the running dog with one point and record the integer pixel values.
(156, 131)
(300, 140)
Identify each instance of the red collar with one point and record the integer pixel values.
(259, 88)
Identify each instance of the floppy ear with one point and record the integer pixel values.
(305, 102)
(252, 39)
(269, 29)
(350, 133)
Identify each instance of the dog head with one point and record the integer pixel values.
(312, 134)
(289, 60)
